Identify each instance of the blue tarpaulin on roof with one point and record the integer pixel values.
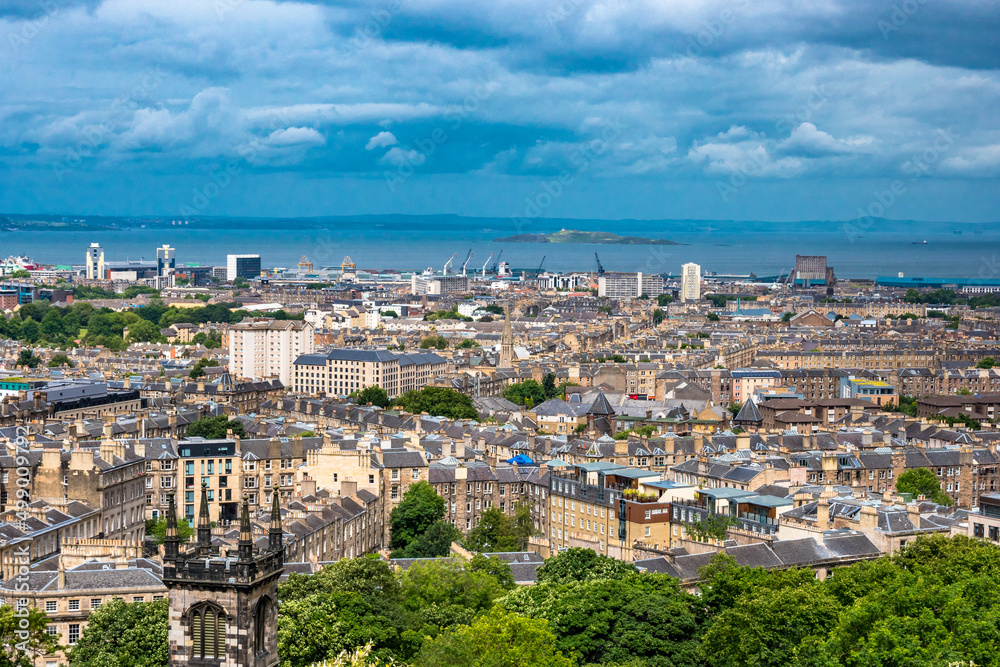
(521, 460)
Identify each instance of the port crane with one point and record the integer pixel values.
(496, 265)
(539, 271)
(600, 269)
(466, 261)
(483, 272)
(448, 263)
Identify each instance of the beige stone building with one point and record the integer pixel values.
(262, 348)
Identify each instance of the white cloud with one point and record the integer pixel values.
(977, 161)
(807, 140)
(295, 136)
(381, 140)
(399, 157)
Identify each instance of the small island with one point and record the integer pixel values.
(576, 236)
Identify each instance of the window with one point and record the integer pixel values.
(208, 632)
(416, 473)
(50, 605)
(73, 636)
(371, 479)
(74, 605)
(95, 603)
(53, 630)
(261, 614)
(138, 598)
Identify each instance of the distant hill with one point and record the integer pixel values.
(576, 236)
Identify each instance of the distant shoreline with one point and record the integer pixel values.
(576, 236)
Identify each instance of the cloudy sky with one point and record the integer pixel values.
(728, 109)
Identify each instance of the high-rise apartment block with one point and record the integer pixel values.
(690, 282)
(95, 262)
(261, 348)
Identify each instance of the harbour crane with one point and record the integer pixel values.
(448, 263)
(600, 269)
(483, 272)
(539, 271)
(466, 261)
(496, 265)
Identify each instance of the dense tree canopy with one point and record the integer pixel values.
(373, 395)
(124, 634)
(420, 508)
(214, 428)
(24, 638)
(922, 482)
(497, 531)
(578, 564)
(437, 401)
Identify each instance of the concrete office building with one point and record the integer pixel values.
(242, 266)
(690, 282)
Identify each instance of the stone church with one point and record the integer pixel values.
(223, 609)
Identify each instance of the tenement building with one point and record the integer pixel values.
(341, 372)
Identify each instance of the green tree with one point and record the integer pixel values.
(123, 634)
(374, 395)
(368, 576)
(214, 428)
(157, 529)
(434, 542)
(24, 638)
(579, 564)
(28, 358)
(434, 342)
(712, 317)
(30, 330)
(658, 317)
(498, 639)
(522, 392)
(664, 299)
(495, 567)
(549, 386)
(438, 401)
(771, 629)
(59, 360)
(344, 606)
(787, 317)
(922, 482)
(495, 531)
(420, 507)
(143, 331)
(986, 362)
(642, 618)
(446, 591)
(467, 344)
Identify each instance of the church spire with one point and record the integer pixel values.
(506, 341)
(171, 542)
(245, 543)
(275, 534)
(204, 523)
